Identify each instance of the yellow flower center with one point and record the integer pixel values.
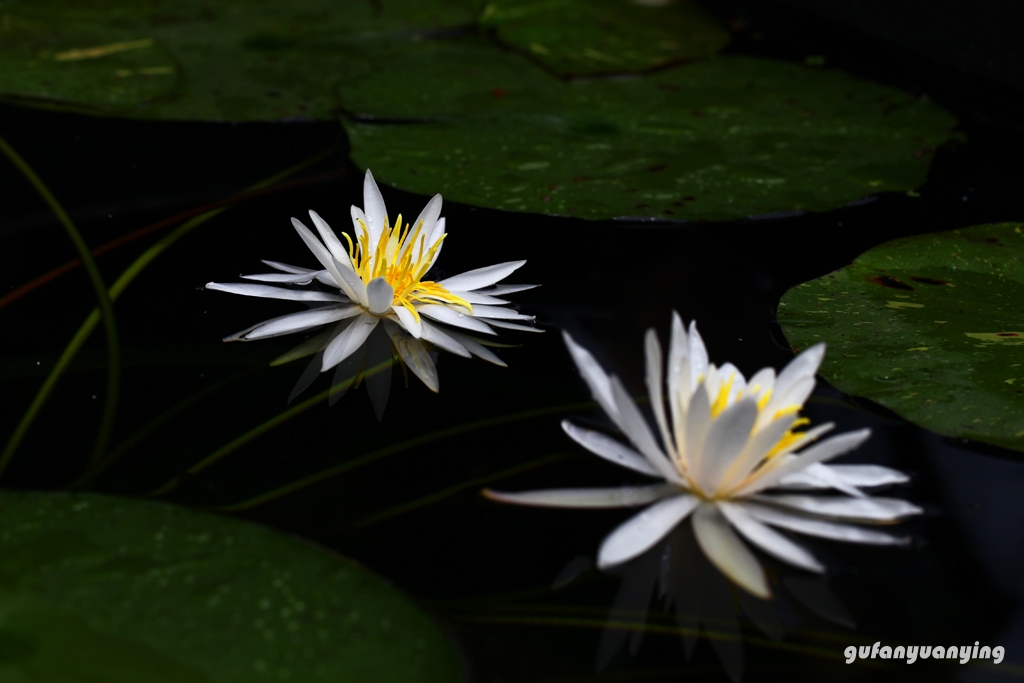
(402, 259)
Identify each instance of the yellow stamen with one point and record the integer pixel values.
(722, 400)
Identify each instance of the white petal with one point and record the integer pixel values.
(449, 316)
(727, 552)
(436, 234)
(285, 268)
(407, 320)
(295, 322)
(480, 277)
(623, 496)
(804, 365)
(501, 290)
(594, 376)
(478, 298)
(821, 528)
(636, 429)
(610, 449)
(429, 216)
(346, 343)
(760, 444)
(762, 381)
(868, 475)
(379, 295)
(643, 530)
(505, 325)
(698, 356)
(829, 448)
(441, 339)
(268, 292)
(330, 239)
(323, 255)
(351, 284)
(678, 375)
(795, 394)
(499, 313)
(652, 355)
(829, 479)
(727, 436)
(285, 278)
(769, 540)
(374, 210)
(696, 424)
(476, 348)
(414, 355)
(873, 509)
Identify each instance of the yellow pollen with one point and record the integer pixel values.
(402, 258)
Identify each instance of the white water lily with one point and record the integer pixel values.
(379, 279)
(724, 443)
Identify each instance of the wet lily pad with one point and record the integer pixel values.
(931, 327)
(585, 37)
(199, 59)
(102, 589)
(725, 138)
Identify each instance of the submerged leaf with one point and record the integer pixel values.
(930, 327)
(100, 588)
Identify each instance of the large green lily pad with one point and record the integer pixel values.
(95, 589)
(585, 37)
(931, 327)
(725, 138)
(199, 59)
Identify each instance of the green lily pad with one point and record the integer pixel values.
(725, 138)
(200, 59)
(585, 37)
(930, 327)
(95, 589)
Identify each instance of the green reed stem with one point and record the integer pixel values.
(106, 309)
(87, 327)
(453, 490)
(156, 423)
(398, 448)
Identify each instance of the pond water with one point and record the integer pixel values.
(408, 505)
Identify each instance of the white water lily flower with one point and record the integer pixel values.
(379, 279)
(724, 443)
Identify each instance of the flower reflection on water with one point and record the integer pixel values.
(379, 278)
(726, 441)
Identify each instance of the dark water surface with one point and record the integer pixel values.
(414, 515)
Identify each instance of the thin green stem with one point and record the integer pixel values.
(115, 291)
(398, 448)
(106, 309)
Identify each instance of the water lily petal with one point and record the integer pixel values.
(652, 354)
(804, 365)
(330, 239)
(268, 292)
(698, 356)
(380, 295)
(439, 338)
(643, 530)
(449, 316)
(759, 445)
(480, 277)
(864, 476)
(506, 325)
(726, 439)
(678, 375)
(501, 290)
(407, 320)
(284, 278)
(295, 322)
(610, 449)
(727, 552)
(871, 509)
(428, 216)
(795, 394)
(436, 234)
(622, 496)
(414, 355)
(478, 298)
(286, 268)
(820, 527)
(476, 348)
(594, 376)
(346, 343)
(769, 540)
(636, 429)
(375, 211)
(762, 381)
(323, 255)
(830, 448)
(697, 422)
(499, 313)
